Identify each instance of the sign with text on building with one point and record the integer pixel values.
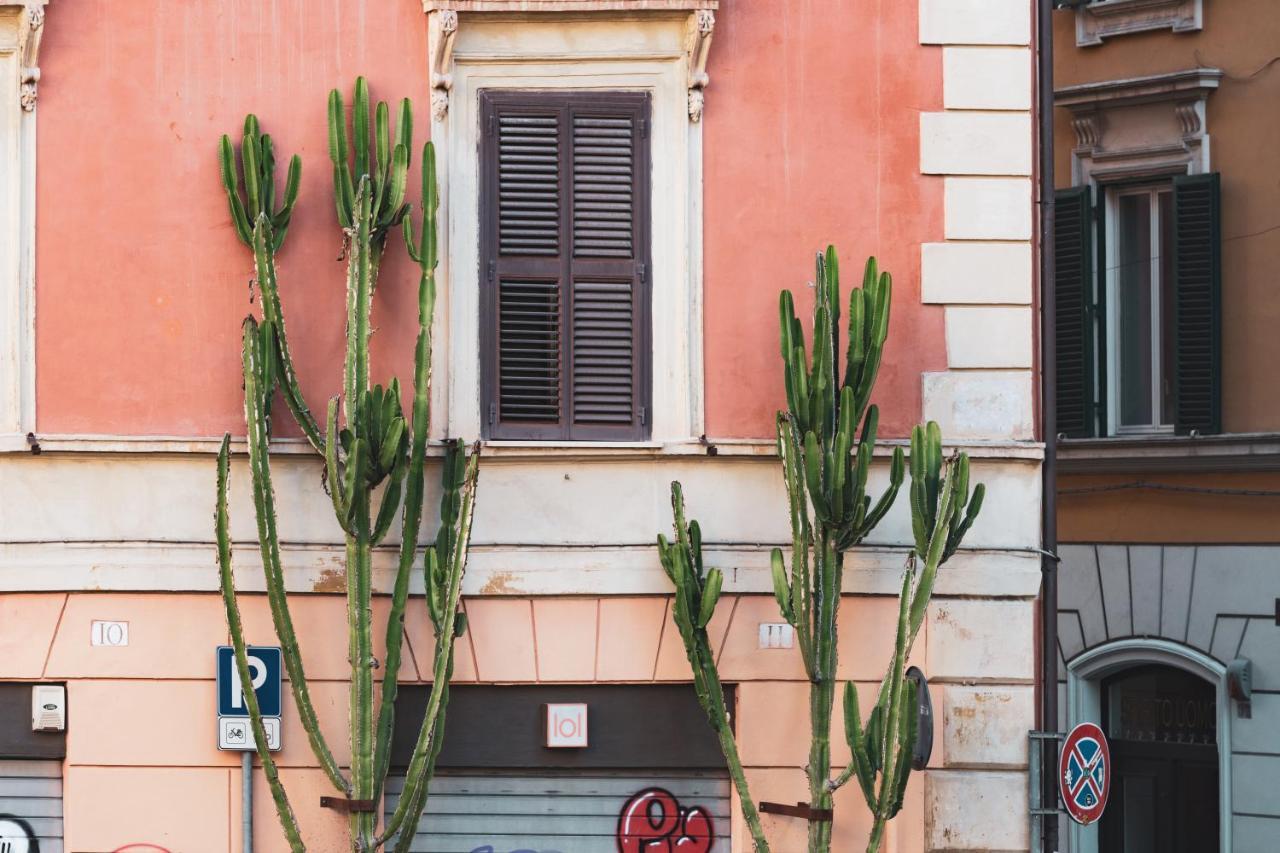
(567, 725)
(265, 670)
(1084, 773)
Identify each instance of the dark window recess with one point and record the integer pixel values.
(635, 726)
(564, 265)
(1196, 325)
(1197, 276)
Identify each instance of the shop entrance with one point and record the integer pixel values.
(648, 776)
(1162, 724)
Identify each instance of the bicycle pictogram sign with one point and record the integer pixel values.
(1084, 773)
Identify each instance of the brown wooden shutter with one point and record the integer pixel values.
(1075, 338)
(565, 265)
(1197, 277)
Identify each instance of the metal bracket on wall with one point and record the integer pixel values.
(342, 804)
(798, 810)
(1035, 790)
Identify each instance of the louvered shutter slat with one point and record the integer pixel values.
(529, 184)
(1197, 275)
(603, 182)
(1074, 321)
(603, 356)
(529, 350)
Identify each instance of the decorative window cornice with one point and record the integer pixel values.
(1099, 20)
(1140, 124)
(1177, 85)
(445, 16)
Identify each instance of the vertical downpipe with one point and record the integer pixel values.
(1049, 430)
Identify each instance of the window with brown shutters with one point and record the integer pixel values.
(564, 265)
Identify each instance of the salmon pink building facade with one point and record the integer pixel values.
(766, 131)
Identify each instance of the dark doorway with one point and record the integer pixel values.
(1163, 726)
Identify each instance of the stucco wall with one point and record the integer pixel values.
(141, 282)
(1138, 515)
(1240, 37)
(142, 763)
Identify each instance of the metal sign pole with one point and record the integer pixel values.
(1036, 808)
(246, 796)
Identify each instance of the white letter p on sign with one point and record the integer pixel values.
(259, 670)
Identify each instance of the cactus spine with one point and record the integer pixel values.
(826, 440)
(374, 446)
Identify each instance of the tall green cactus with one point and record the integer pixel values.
(375, 447)
(826, 442)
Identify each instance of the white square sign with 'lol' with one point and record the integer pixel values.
(567, 725)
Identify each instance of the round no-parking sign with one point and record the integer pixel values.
(1084, 773)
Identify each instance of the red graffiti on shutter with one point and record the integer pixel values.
(653, 822)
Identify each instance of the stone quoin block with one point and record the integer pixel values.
(987, 726)
(976, 810)
(975, 22)
(975, 143)
(987, 208)
(986, 78)
(980, 404)
(989, 336)
(986, 273)
(975, 640)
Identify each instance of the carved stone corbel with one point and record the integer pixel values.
(1088, 127)
(1188, 113)
(442, 63)
(702, 26)
(29, 49)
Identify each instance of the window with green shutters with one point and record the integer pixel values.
(565, 265)
(1138, 301)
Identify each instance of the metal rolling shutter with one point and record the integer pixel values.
(31, 790)
(541, 812)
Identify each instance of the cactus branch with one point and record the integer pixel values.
(457, 505)
(269, 546)
(697, 592)
(412, 516)
(236, 629)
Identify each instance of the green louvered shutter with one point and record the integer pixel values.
(1197, 277)
(1075, 326)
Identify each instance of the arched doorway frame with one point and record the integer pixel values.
(1084, 704)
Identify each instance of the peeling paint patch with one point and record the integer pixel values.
(331, 580)
(500, 583)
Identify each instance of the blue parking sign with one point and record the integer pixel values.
(265, 665)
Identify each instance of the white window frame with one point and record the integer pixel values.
(659, 52)
(1112, 297)
(21, 25)
(1084, 704)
